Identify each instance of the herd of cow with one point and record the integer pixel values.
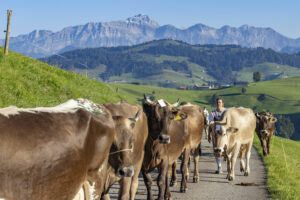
(79, 149)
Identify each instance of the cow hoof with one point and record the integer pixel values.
(183, 190)
(196, 179)
(172, 184)
(230, 178)
(242, 170)
(246, 174)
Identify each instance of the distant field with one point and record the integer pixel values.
(270, 71)
(279, 96)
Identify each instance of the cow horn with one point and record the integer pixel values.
(148, 100)
(257, 114)
(136, 117)
(176, 104)
(221, 122)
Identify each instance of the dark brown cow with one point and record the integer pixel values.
(47, 153)
(265, 128)
(168, 139)
(195, 125)
(127, 151)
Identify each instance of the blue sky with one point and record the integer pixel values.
(28, 15)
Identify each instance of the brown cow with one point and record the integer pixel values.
(234, 130)
(47, 153)
(166, 125)
(195, 124)
(265, 127)
(127, 151)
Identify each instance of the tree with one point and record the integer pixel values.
(284, 126)
(244, 90)
(256, 76)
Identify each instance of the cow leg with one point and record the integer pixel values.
(134, 185)
(148, 182)
(248, 154)
(174, 175)
(124, 191)
(167, 192)
(105, 197)
(196, 164)
(161, 180)
(228, 165)
(184, 169)
(235, 153)
(242, 163)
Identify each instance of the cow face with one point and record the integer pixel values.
(220, 133)
(265, 127)
(121, 151)
(160, 117)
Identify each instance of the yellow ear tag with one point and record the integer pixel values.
(177, 117)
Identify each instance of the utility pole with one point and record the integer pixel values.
(9, 12)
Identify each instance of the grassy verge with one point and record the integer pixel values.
(26, 82)
(283, 167)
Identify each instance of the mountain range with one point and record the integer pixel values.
(140, 29)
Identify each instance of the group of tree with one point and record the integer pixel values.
(218, 60)
(284, 126)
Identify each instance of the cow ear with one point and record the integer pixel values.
(273, 119)
(183, 115)
(232, 129)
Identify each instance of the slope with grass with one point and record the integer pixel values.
(26, 82)
(283, 167)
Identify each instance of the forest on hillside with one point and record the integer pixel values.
(218, 60)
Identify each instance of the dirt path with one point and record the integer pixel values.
(215, 186)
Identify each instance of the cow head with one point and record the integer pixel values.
(121, 150)
(265, 127)
(160, 115)
(220, 133)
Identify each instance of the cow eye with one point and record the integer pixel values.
(171, 116)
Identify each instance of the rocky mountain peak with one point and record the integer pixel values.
(142, 20)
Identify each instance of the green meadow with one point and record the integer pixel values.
(26, 82)
(283, 167)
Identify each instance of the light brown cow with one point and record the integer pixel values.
(47, 153)
(235, 129)
(195, 125)
(265, 127)
(127, 151)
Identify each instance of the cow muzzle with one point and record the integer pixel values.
(125, 171)
(264, 133)
(164, 139)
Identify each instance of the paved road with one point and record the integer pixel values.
(215, 186)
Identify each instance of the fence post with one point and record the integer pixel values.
(9, 12)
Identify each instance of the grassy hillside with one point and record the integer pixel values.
(279, 96)
(26, 82)
(270, 71)
(283, 168)
(172, 63)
